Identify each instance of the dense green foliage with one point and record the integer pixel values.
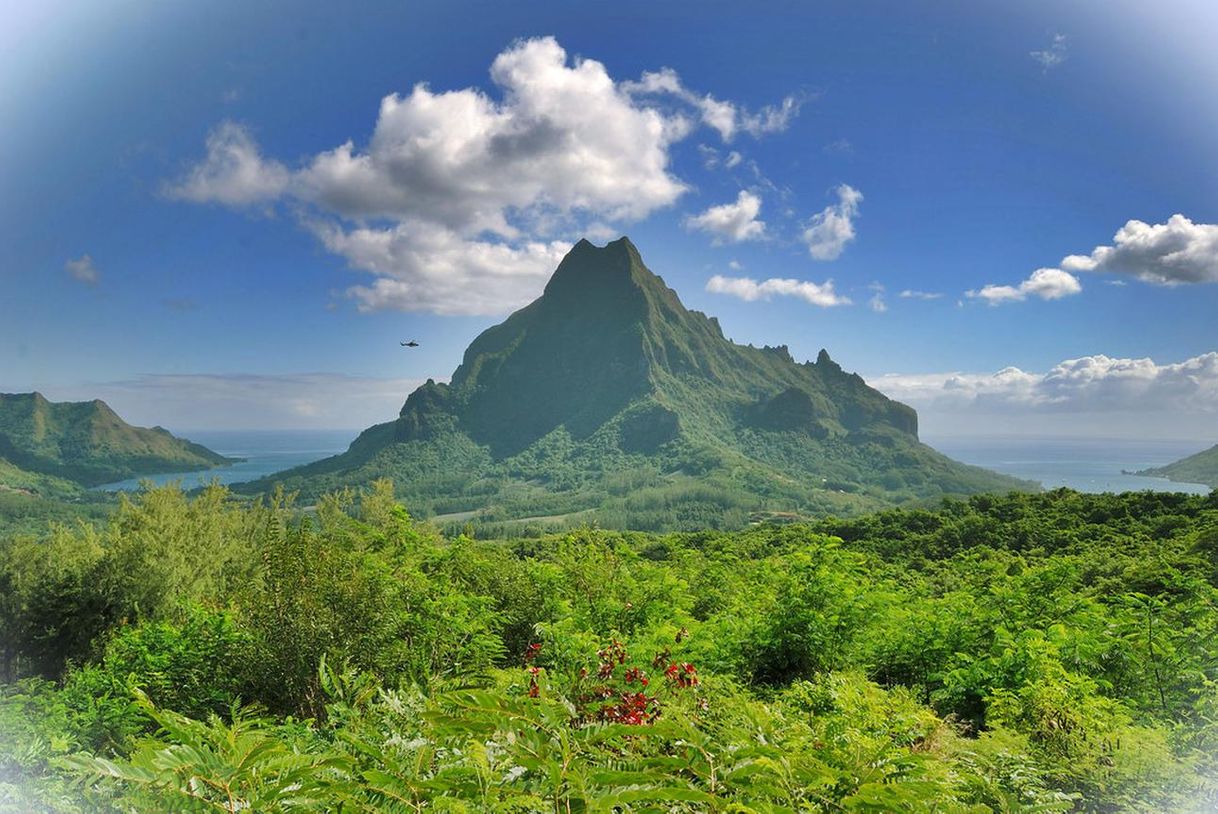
(84, 443)
(1199, 468)
(29, 501)
(1028, 653)
(607, 400)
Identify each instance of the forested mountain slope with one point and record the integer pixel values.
(87, 443)
(608, 400)
(1199, 468)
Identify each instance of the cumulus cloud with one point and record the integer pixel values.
(1052, 56)
(734, 222)
(1171, 253)
(1047, 284)
(748, 289)
(422, 267)
(829, 230)
(82, 269)
(1087, 384)
(233, 173)
(728, 118)
(482, 184)
(563, 137)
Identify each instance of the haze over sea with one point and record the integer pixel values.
(1084, 464)
(264, 452)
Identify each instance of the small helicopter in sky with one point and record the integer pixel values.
(410, 344)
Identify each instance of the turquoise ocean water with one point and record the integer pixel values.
(265, 452)
(1087, 465)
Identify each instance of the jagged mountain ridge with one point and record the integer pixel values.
(88, 443)
(608, 378)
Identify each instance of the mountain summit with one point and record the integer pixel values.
(606, 399)
(87, 443)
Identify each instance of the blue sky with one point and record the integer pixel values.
(212, 219)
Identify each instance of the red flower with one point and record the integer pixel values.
(534, 688)
(683, 675)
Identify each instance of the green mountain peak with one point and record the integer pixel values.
(86, 442)
(607, 374)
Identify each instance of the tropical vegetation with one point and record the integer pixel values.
(1025, 653)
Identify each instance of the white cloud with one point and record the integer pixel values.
(82, 269)
(735, 265)
(1171, 253)
(735, 222)
(733, 159)
(771, 118)
(830, 230)
(1047, 284)
(250, 401)
(710, 156)
(422, 267)
(911, 294)
(1090, 383)
(564, 137)
(727, 118)
(1052, 56)
(234, 173)
(877, 303)
(1093, 396)
(491, 180)
(748, 289)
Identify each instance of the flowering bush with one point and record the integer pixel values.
(617, 690)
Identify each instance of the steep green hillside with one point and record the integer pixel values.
(606, 399)
(1199, 468)
(17, 481)
(87, 443)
